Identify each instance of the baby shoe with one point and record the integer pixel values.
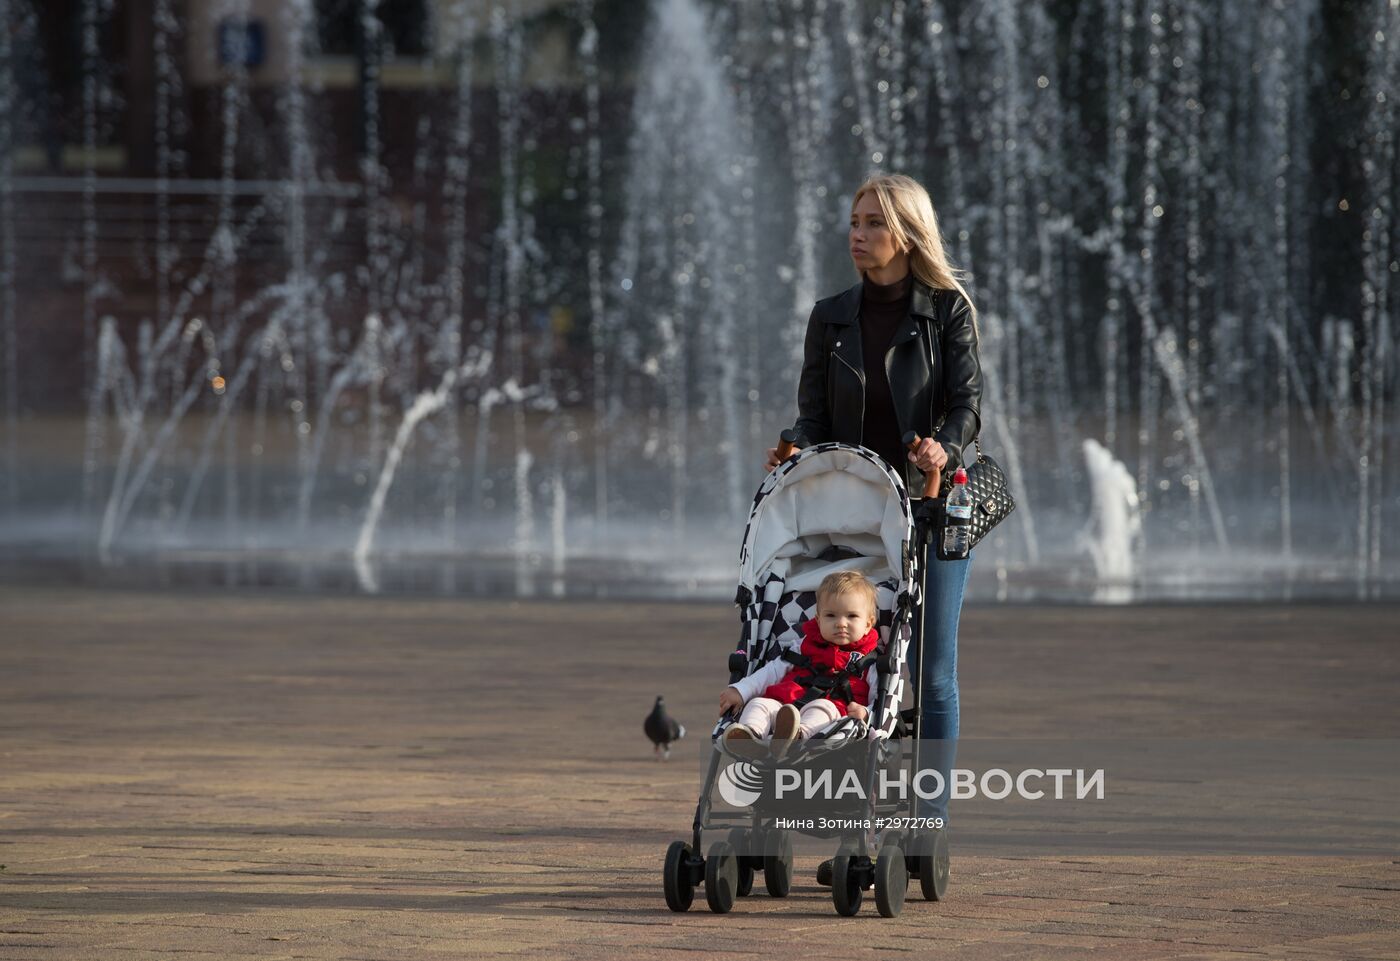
(786, 724)
(739, 732)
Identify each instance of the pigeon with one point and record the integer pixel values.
(662, 729)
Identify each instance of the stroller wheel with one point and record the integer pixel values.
(777, 862)
(745, 887)
(739, 840)
(680, 889)
(721, 877)
(933, 866)
(891, 881)
(824, 873)
(847, 884)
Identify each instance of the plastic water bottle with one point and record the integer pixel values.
(957, 526)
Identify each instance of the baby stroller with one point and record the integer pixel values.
(831, 507)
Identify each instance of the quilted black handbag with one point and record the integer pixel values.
(991, 500)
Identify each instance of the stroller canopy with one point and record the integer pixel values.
(833, 507)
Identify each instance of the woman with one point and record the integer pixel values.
(875, 366)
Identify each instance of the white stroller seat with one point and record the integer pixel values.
(830, 509)
(793, 608)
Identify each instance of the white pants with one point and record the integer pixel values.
(758, 716)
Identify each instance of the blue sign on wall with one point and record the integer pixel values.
(241, 43)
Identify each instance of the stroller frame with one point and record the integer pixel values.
(865, 858)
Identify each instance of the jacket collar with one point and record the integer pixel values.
(921, 302)
(924, 300)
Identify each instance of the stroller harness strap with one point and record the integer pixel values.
(835, 672)
(835, 686)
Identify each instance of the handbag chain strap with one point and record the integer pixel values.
(976, 443)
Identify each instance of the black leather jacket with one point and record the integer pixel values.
(932, 366)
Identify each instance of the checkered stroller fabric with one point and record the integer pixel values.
(831, 507)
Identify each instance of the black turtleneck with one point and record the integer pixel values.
(882, 309)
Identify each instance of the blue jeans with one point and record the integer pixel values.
(944, 584)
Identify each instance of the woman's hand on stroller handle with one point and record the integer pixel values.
(928, 456)
(730, 700)
(787, 443)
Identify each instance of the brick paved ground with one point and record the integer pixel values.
(360, 778)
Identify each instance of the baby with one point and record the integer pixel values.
(797, 700)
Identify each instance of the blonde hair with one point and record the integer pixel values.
(849, 582)
(914, 226)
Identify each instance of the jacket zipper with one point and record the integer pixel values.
(860, 379)
(890, 384)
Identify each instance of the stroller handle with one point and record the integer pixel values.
(787, 441)
(933, 480)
